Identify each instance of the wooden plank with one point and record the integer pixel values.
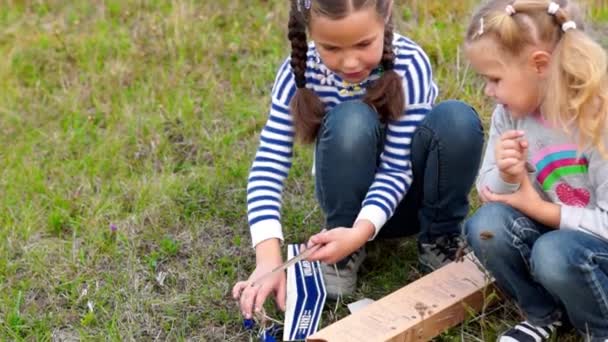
(417, 312)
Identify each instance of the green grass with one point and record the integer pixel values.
(145, 115)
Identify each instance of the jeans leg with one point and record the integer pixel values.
(573, 266)
(502, 239)
(346, 157)
(446, 151)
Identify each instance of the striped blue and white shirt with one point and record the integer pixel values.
(394, 175)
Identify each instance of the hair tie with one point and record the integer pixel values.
(568, 25)
(510, 10)
(304, 3)
(481, 28)
(553, 8)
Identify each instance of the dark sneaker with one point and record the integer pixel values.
(342, 281)
(526, 332)
(442, 251)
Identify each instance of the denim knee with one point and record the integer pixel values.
(552, 260)
(486, 230)
(456, 124)
(568, 263)
(351, 126)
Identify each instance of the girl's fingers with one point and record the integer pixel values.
(488, 195)
(315, 239)
(281, 295)
(505, 164)
(524, 149)
(511, 154)
(523, 143)
(318, 254)
(483, 197)
(510, 145)
(237, 289)
(247, 299)
(321, 253)
(260, 298)
(512, 134)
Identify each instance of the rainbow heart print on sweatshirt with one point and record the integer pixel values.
(554, 164)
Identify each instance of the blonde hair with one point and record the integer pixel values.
(577, 87)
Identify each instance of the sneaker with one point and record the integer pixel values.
(526, 332)
(342, 281)
(432, 256)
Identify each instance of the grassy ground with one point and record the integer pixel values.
(127, 129)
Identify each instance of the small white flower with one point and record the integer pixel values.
(160, 278)
(326, 78)
(83, 294)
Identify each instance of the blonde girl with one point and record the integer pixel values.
(545, 174)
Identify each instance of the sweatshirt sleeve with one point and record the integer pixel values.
(394, 175)
(489, 175)
(272, 162)
(591, 220)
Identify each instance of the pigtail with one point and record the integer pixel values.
(507, 29)
(386, 95)
(306, 107)
(577, 93)
(505, 25)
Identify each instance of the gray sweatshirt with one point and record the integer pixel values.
(577, 181)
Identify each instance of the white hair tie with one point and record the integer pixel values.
(553, 8)
(510, 10)
(568, 25)
(481, 28)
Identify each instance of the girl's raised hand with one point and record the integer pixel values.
(511, 156)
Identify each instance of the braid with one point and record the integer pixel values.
(299, 45)
(388, 55)
(305, 106)
(386, 95)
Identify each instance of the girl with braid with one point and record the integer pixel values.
(545, 171)
(387, 162)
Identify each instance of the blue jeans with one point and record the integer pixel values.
(544, 269)
(445, 154)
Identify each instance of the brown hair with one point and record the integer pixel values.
(577, 88)
(385, 94)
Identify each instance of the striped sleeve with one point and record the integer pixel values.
(272, 162)
(394, 176)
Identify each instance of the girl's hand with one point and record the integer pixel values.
(482, 195)
(511, 154)
(338, 243)
(251, 295)
(523, 199)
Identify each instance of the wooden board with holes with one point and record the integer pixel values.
(418, 311)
